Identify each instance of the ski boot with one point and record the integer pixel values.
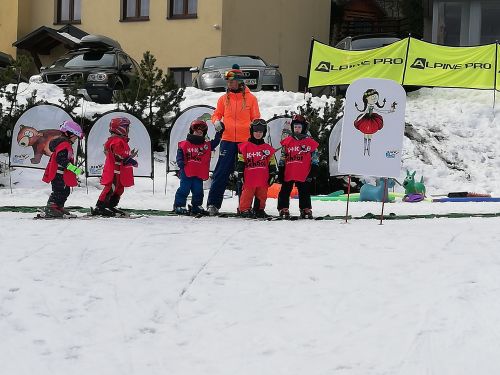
(212, 210)
(306, 213)
(101, 210)
(261, 214)
(118, 212)
(197, 211)
(52, 210)
(66, 213)
(284, 213)
(247, 214)
(181, 210)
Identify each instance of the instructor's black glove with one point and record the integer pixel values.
(281, 174)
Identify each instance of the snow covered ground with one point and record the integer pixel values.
(176, 295)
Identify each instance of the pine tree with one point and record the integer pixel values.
(154, 98)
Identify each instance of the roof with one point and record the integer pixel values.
(5, 59)
(43, 39)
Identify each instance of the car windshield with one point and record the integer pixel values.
(228, 61)
(87, 59)
(369, 43)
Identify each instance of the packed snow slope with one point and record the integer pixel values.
(176, 295)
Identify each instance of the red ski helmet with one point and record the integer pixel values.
(119, 126)
(198, 125)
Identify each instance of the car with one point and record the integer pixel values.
(259, 75)
(99, 65)
(361, 43)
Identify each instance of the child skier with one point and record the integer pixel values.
(117, 173)
(256, 166)
(193, 160)
(298, 165)
(60, 171)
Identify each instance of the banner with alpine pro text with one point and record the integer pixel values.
(443, 66)
(333, 66)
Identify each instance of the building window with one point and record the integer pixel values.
(490, 27)
(68, 11)
(135, 10)
(449, 24)
(182, 76)
(183, 8)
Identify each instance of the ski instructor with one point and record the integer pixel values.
(236, 109)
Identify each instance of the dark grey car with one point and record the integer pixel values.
(258, 74)
(101, 68)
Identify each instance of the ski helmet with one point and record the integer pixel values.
(119, 126)
(299, 119)
(198, 125)
(258, 125)
(234, 73)
(71, 127)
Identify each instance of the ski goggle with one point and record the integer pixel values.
(199, 125)
(259, 121)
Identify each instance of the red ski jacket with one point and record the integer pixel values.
(196, 159)
(298, 157)
(117, 150)
(256, 159)
(53, 168)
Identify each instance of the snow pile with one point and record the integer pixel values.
(454, 132)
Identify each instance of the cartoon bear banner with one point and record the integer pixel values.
(139, 139)
(373, 128)
(32, 134)
(180, 129)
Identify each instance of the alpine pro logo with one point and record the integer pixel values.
(422, 63)
(326, 66)
(323, 66)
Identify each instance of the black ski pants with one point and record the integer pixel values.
(60, 192)
(304, 194)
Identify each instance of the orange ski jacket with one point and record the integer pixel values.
(236, 116)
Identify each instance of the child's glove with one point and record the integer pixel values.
(130, 161)
(73, 168)
(313, 173)
(239, 177)
(219, 126)
(134, 153)
(272, 178)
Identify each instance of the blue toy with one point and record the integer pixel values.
(376, 193)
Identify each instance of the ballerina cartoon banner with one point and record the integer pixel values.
(373, 128)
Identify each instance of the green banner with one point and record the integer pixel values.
(332, 66)
(442, 66)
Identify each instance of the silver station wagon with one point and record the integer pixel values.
(258, 74)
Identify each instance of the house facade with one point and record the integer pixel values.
(179, 33)
(462, 23)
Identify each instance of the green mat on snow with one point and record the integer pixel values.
(389, 216)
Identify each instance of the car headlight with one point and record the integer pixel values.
(36, 79)
(97, 77)
(270, 72)
(211, 75)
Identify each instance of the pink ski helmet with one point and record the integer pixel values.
(71, 127)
